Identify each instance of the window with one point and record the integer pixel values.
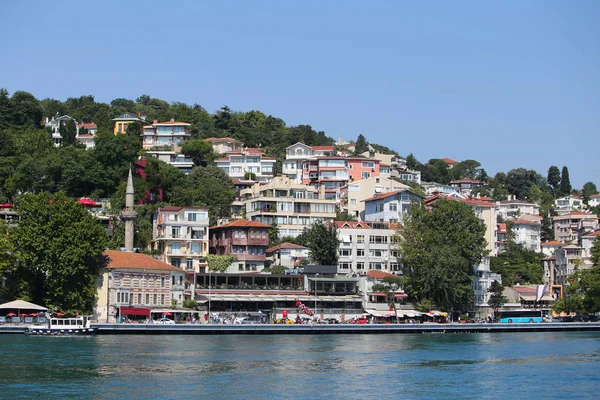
(162, 282)
(379, 207)
(368, 164)
(345, 265)
(360, 238)
(378, 239)
(175, 232)
(353, 202)
(240, 267)
(360, 252)
(155, 298)
(139, 298)
(162, 299)
(346, 252)
(176, 262)
(376, 180)
(147, 298)
(360, 265)
(393, 207)
(365, 175)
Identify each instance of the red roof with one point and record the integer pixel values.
(88, 126)
(525, 222)
(435, 197)
(592, 234)
(523, 289)
(449, 161)
(552, 243)
(242, 223)
(322, 147)
(85, 135)
(126, 260)
(285, 245)
(375, 274)
(250, 150)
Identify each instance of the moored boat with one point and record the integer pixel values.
(64, 326)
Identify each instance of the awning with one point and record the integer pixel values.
(379, 294)
(400, 295)
(135, 311)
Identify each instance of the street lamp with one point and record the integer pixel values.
(316, 277)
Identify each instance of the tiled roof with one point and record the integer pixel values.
(242, 223)
(127, 260)
(552, 243)
(285, 245)
(592, 234)
(525, 222)
(449, 161)
(595, 195)
(365, 225)
(515, 201)
(466, 180)
(85, 136)
(523, 289)
(326, 148)
(375, 274)
(88, 126)
(178, 208)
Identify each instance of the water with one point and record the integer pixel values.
(537, 365)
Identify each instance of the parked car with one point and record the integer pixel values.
(284, 321)
(249, 321)
(331, 321)
(359, 321)
(165, 321)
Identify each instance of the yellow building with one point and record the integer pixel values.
(123, 120)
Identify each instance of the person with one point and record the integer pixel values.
(206, 318)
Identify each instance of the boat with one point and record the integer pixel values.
(64, 326)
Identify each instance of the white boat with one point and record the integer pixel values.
(64, 326)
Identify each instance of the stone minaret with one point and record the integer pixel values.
(129, 214)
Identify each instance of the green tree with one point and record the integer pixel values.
(6, 110)
(411, 162)
(519, 181)
(589, 188)
(323, 243)
(440, 248)
(497, 298)
(343, 216)
(68, 131)
(361, 145)
(134, 129)
(518, 264)
(199, 151)
(210, 187)
(274, 234)
(565, 182)
(27, 110)
(554, 179)
(219, 263)
(60, 245)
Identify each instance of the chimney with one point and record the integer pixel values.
(172, 119)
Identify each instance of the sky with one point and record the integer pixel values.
(510, 84)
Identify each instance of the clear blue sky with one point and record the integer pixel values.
(510, 84)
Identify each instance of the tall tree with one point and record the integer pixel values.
(68, 131)
(27, 110)
(497, 298)
(589, 188)
(199, 151)
(411, 162)
(554, 179)
(6, 110)
(440, 248)
(60, 244)
(323, 243)
(361, 145)
(565, 182)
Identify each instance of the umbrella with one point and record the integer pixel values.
(33, 314)
(12, 314)
(24, 315)
(87, 202)
(167, 313)
(59, 314)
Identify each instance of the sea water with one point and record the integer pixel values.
(502, 365)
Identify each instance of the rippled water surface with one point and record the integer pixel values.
(518, 365)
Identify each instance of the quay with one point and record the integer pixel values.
(325, 329)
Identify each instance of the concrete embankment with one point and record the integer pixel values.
(191, 329)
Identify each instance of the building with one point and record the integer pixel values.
(293, 207)
(527, 233)
(86, 134)
(594, 200)
(163, 140)
(451, 163)
(549, 248)
(466, 185)
(246, 240)
(568, 227)
(389, 207)
(515, 209)
(123, 120)
(406, 174)
(224, 145)
(522, 297)
(139, 282)
(568, 204)
(246, 163)
(352, 195)
(288, 255)
(567, 259)
(433, 188)
(367, 246)
(180, 234)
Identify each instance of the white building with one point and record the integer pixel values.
(181, 236)
(389, 207)
(367, 246)
(163, 140)
(594, 200)
(567, 204)
(354, 193)
(509, 209)
(238, 163)
(527, 233)
(224, 145)
(288, 255)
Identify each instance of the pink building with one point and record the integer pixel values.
(246, 240)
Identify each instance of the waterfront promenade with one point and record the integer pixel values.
(317, 329)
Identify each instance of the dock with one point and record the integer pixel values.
(318, 329)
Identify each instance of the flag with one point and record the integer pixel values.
(541, 289)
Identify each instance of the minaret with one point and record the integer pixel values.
(129, 214)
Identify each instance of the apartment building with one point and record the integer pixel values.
(293, 207)
(224, 145)
(527, 233)
(389, 207)
(123, 120)
(181, 236)
(246, 240)
(299, 152)
(367, 246)
(568, 204)
(510, 209)
(594, 200)
(567, 259)
(133, 280)
(288, 255)
(86, 134)
(465, 186)
(568, 227)
(352, 195)
(86, 137)
(247, 162)
(163, 140)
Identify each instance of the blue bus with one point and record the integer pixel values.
(520, 316)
